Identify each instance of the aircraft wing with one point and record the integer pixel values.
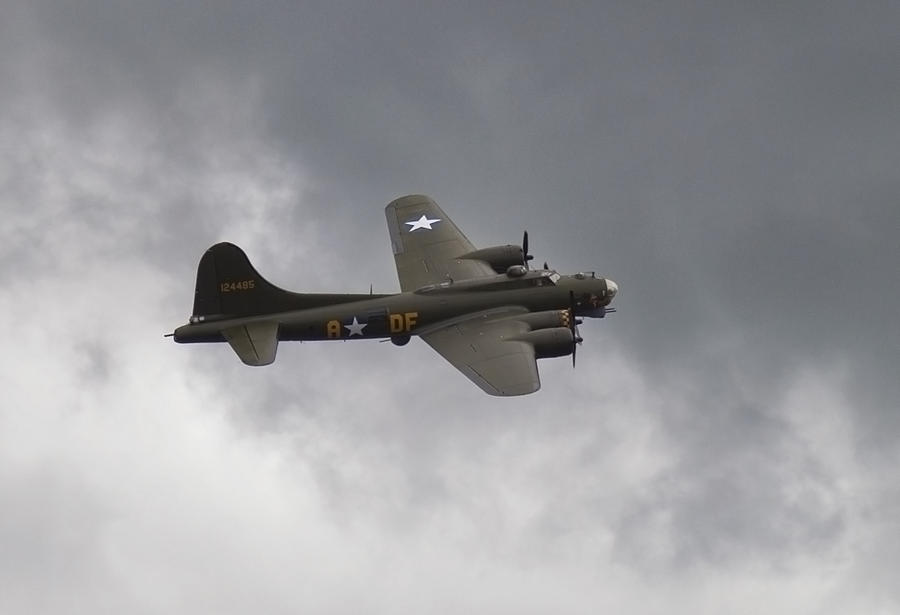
(483, 347)
(426, 244)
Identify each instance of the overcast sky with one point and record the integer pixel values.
(727, 444)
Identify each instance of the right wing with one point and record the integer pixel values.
(426, 244)
(483, 347)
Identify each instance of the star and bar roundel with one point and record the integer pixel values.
(396, 323)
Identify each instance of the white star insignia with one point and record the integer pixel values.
(355, 328)
(422, 222)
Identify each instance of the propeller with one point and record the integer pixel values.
(525, 255)
(573, 325)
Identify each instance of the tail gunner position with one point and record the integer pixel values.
(484, 310)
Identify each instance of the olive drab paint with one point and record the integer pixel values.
(483, 310)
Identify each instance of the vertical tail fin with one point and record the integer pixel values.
(229, 286)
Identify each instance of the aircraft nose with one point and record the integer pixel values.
(611, 288)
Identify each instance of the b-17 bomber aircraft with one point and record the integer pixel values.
(485, 311)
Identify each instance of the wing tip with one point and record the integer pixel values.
(409, 200)
(515, 389)
(525, 389)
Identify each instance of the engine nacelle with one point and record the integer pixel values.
(500, 258)
(555, 342)
(547, 320)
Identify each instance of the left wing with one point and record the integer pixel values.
(427, 244)
(484, 348)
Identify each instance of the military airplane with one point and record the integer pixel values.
(486, 311)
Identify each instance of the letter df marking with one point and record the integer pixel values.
(403, 323)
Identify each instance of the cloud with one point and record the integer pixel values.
(726, 442)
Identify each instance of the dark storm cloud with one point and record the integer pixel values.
(731, 167)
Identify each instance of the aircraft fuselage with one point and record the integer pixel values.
(399, 316)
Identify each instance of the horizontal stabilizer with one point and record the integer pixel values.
(255, 342)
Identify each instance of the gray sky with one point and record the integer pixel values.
(728, 442)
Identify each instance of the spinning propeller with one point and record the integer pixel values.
(573, 325)
(573, 321)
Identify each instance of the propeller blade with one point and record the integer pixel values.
(525, 255)
(575, 338)
(575, 343)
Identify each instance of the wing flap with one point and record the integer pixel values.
(255, 343)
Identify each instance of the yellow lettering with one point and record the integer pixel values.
(396, 323)
(411, 319)
(228, 287)
(333, 329)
